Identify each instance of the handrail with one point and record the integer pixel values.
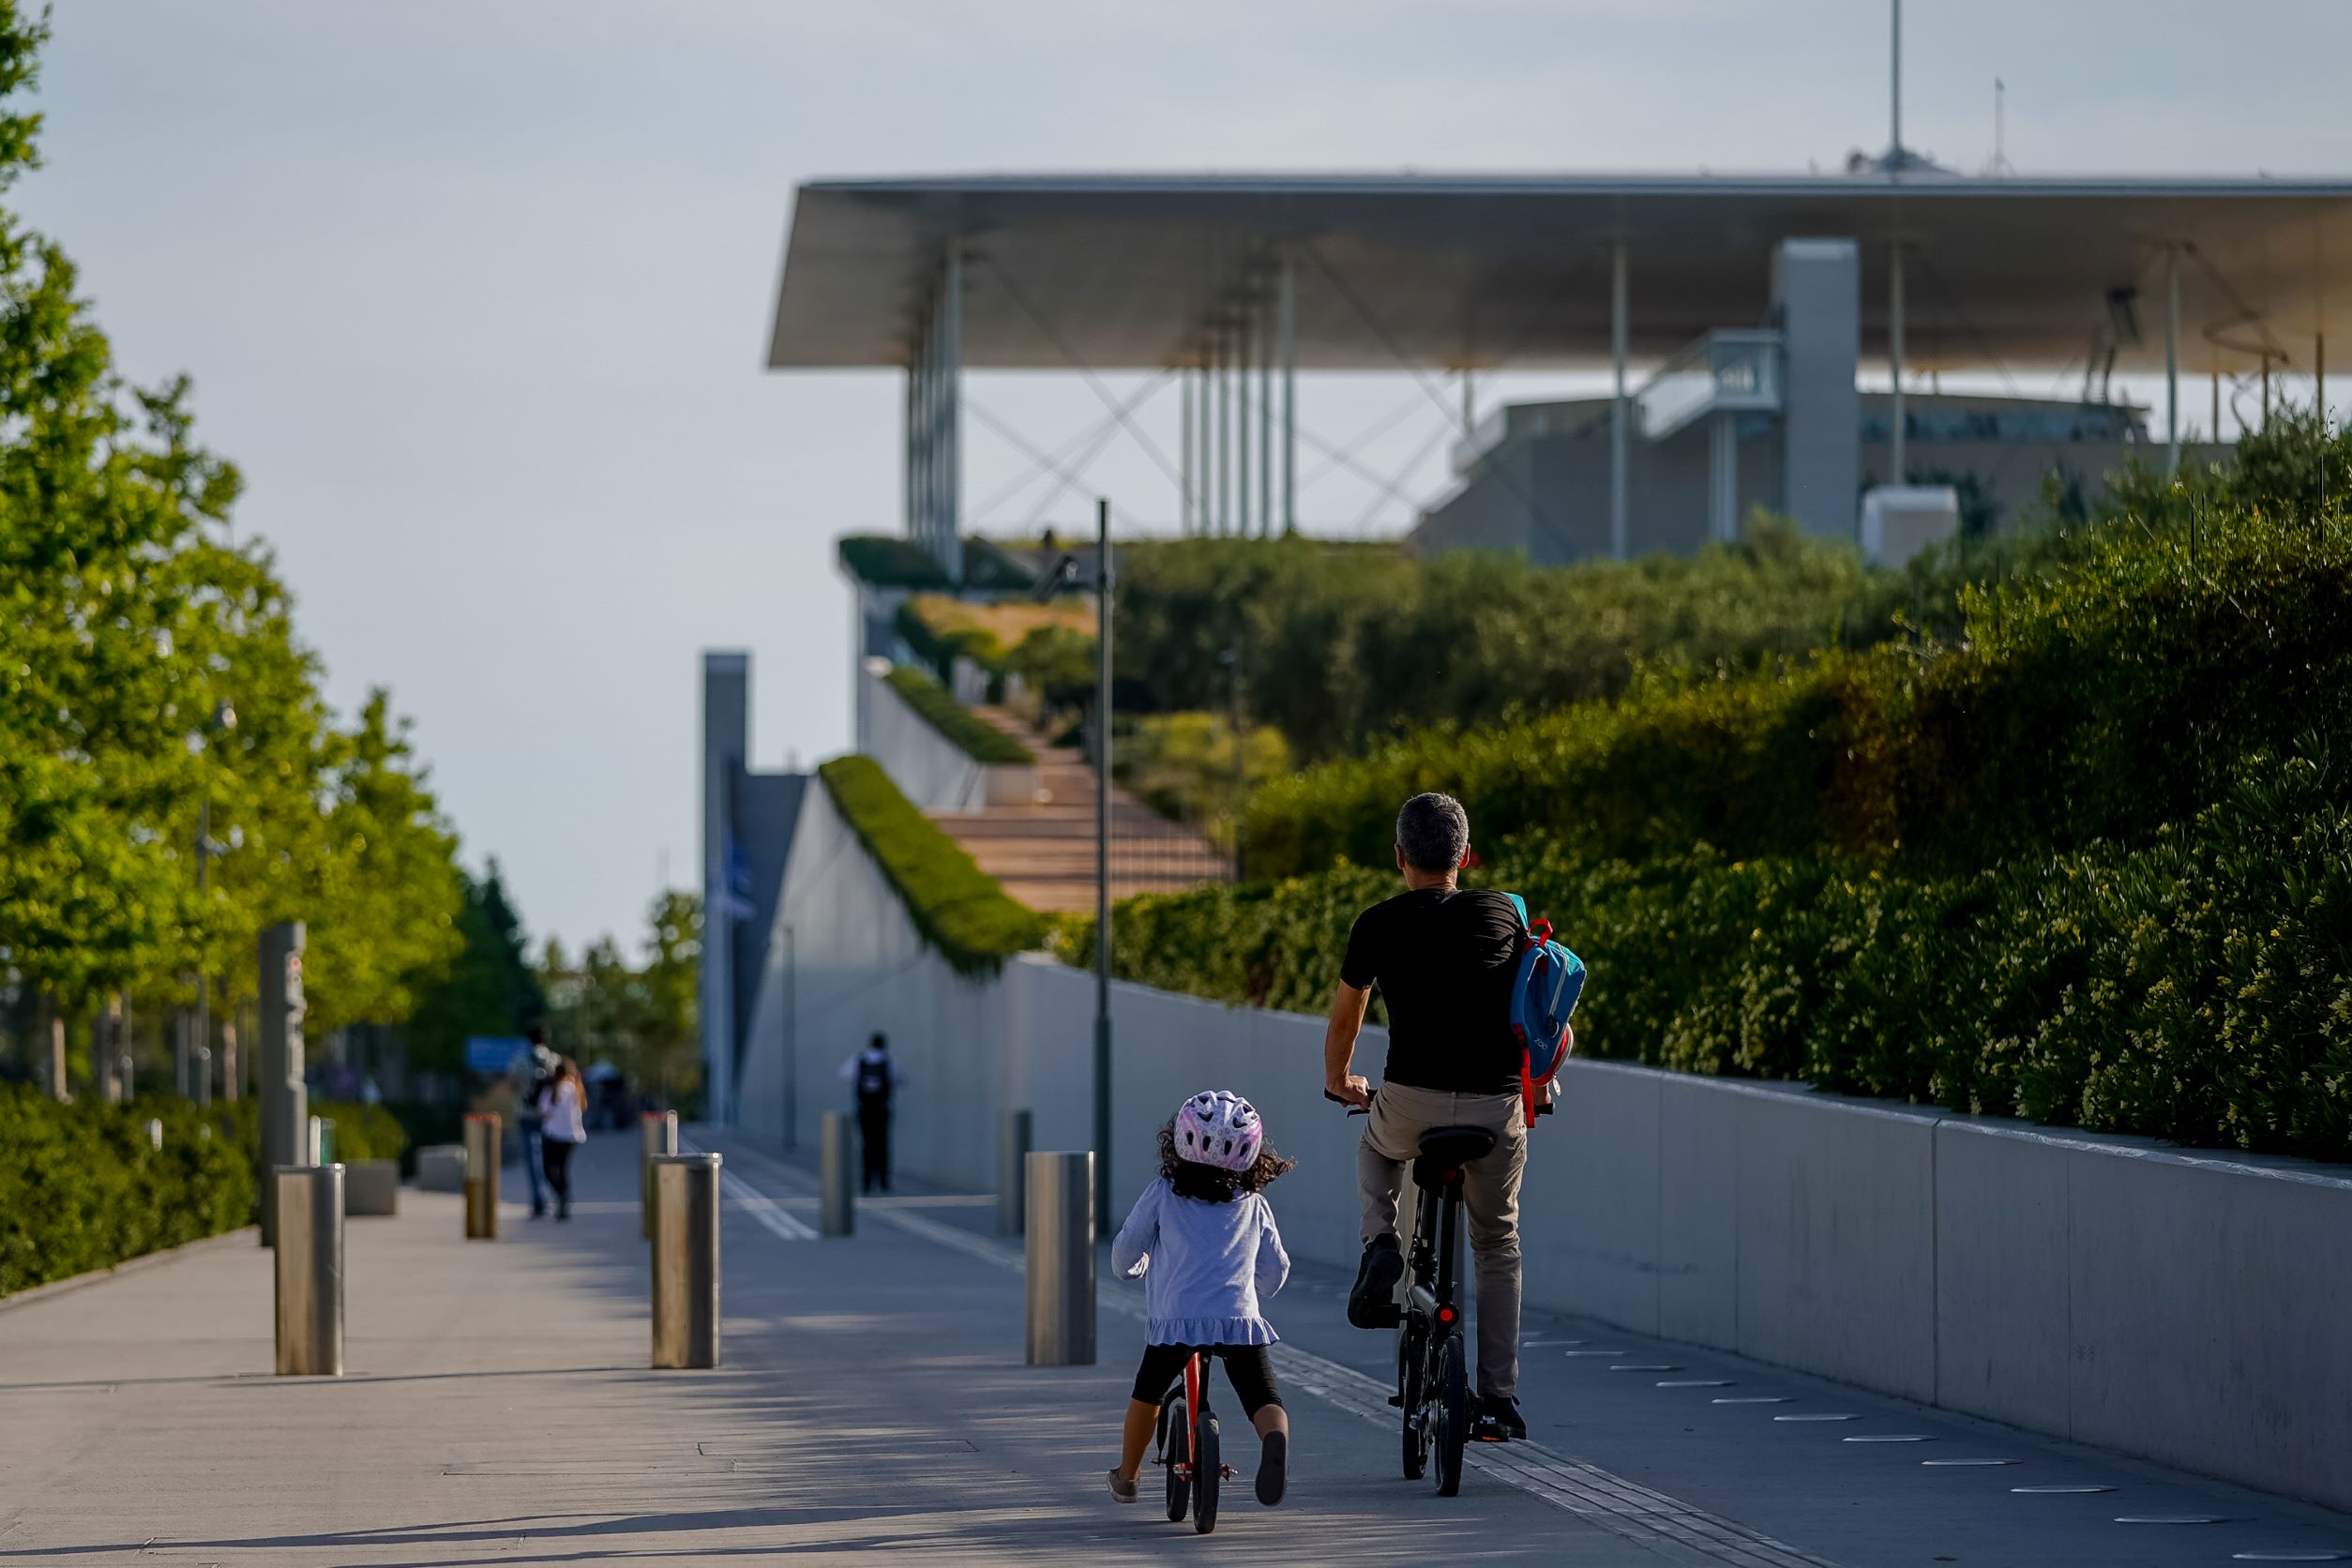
(1732, 370)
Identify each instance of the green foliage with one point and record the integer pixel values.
(640, 1018)
(975, 737)
(883, 561)
(82, 1189)
(958, 908)
(1341, 646)
(1182, 765)
(363, 1132)
(489, 989)
(2086, 858)
(125, 625)
(2096, 704)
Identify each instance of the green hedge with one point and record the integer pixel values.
(887, 562)
(2197, 987)
(975, 736)
(2117, 697)
(80, 1188)
(959, 909)
(363, 1132)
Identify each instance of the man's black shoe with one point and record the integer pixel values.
(1498, 1420)
(1372, 1305)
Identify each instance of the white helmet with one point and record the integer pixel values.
(1218, 1128)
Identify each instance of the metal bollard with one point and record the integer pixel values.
(1060, 1258)
(685, 1261)
(310, 1258)
(481, 1176)
(320, 1141)
(155, 1134)
(656, 1134)
(1012, 1153)
(837, 1190)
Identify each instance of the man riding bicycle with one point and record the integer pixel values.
(1446, 960)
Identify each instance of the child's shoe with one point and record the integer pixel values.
(1274, 1466)
(1121, 1488)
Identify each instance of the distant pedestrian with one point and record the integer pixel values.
(537, 1069)
(878, 1081)
(564, 1109)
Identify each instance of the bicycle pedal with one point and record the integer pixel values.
(1227, 1472)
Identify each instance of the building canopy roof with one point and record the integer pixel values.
(1141, 272)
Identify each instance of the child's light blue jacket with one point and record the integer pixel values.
(1209, 1266)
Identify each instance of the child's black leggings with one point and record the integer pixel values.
(1247, 1367)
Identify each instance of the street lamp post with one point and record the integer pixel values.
(1061, 574)
(224, 719)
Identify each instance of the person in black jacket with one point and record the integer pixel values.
(878, 1081)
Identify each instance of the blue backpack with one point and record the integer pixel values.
(1543, 996)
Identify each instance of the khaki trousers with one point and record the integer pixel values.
(1490, 1196)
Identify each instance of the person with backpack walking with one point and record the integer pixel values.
(1203, 1240)
(1447, 961)
(878, 1081)
(564, 1116)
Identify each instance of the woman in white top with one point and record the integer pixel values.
(564, 1114)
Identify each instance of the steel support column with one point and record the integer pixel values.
(1619, 414)
(1289, 324)
(951, 437)
(1723, 478)
(1225, 434)
(1243, 342)
(1265, 433)
(1183, 447)
(1896, 433)
(2172, 360)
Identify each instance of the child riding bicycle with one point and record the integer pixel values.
(1203, 1239)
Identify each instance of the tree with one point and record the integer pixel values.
(639, 1020)
(125, 627)
(488, 988)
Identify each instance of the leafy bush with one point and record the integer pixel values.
(883, 561)
(363, 1132)
(81, 1187)
(2116, 697)
(975, 736)
(2197, 987)
(958, 908)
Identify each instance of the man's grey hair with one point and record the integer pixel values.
(1433, 830)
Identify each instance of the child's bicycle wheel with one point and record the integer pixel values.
(1208, 1468)
(1176, 1456)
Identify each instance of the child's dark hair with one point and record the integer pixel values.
(1208, 1183)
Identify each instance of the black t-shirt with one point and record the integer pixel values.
(1444, 961)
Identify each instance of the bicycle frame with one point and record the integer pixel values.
(1196, 1399)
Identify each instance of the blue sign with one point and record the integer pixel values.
(486, 1053)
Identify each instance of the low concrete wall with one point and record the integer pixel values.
(2183, 1307)
(371, 1187)
(440, 1167)
(928, 768)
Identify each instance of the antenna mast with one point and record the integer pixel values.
(1894, 144)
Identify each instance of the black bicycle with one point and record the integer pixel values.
(1432, 1355)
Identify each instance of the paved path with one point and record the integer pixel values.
(498, 1409)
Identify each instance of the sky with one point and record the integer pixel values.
(477, 292)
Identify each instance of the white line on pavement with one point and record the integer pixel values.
(1666, 1524)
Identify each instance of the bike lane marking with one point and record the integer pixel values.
(1634, 1513)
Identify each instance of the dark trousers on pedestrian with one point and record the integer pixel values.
(527, 1128)
(558, 1160)
(873, 1137)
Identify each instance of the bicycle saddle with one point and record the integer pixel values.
(1444, 1149)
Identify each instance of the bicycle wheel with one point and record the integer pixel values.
(1207, 1471)
(1177, 1459)
(1453, 1414)
(1408, 1395)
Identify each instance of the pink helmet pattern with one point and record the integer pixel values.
(1218, 1128)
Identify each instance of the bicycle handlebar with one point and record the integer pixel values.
(1353, 1109)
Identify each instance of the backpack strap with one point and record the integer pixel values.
(1520, 904)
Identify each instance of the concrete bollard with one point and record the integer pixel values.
(685, 1261)
(309, 1260)
(1060, 1258)
(837, 1190)
(481, 1176)
(656, 1134)
(1012, 1156)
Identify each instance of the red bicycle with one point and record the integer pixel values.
(1188, 1447)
